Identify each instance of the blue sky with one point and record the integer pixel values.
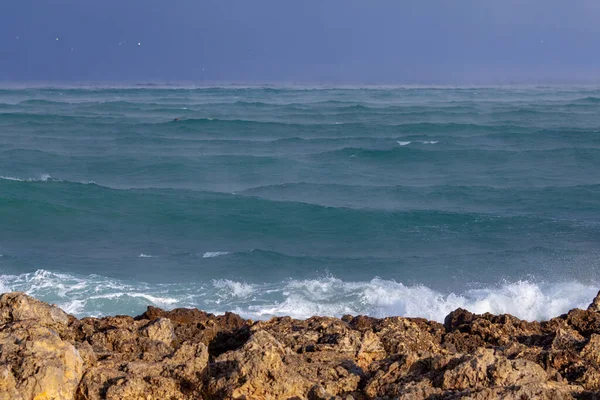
(308, 41)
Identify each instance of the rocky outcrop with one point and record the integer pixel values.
(190, 354)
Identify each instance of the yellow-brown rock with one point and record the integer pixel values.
(36, 363)
(184, 354)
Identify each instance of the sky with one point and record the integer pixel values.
(302, 41)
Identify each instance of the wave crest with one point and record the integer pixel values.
(330, 296)
(40, 178)
(212, 254)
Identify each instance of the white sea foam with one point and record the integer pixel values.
(406, 143)
(95, 295)
(232, 288)
(331, 296)
(151, 299)
(72, 307)
(142, 255)
(211, 254)
(41, 178)
(10, 178)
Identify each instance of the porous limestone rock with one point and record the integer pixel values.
(36, 363)
(184, 354)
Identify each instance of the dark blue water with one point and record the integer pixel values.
(302, 201)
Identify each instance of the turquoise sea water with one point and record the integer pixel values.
(301, 201)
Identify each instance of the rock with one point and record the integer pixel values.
(256, 371)
(37, 363)
(584, 322)
(458, 319)
(487, 369)
(392, 378)
(154, 387)
(409, 335)
(591, 351)
(160, 330)
(595, 304)
(87, 354)
(19, 307)
(537, 391)
(461, 342)
(567, 340)
(93, 385)
(325, 351)
(190, 354)
(370, 350)
(220, 333)
(179, 376)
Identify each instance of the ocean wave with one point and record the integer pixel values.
(228, 288)
(300, 210)
(406, 143)
(381, 298)
(142, 255)
(421, 128)
(212, 254)
(329, 296)
(41, 178)
(45, 178)
(589, 99)
(47, 119)
(583, 199)
(407, 154)
(90, 295)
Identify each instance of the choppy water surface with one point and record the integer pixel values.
(270, 201)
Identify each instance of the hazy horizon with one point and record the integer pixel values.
(335, 42)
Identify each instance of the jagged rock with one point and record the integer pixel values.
(530, 391)
(468, 330)
(461, 342)
(393, 378)
(257, 371)
(370, 350)
(591, 351)
(160, 330)
(486, 369)
(220, 333)
(595, 304)
(584, 322)
(178, 376)
(36, 363)
(407, 335)
(325, 351)
(18, 306)
(190, 354)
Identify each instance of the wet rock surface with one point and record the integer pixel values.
(190, 354)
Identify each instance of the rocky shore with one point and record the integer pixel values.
(189, 354)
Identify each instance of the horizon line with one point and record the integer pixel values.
(188, 84)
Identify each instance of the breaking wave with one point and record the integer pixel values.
(95, 295)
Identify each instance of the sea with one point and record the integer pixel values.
(301, 200)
